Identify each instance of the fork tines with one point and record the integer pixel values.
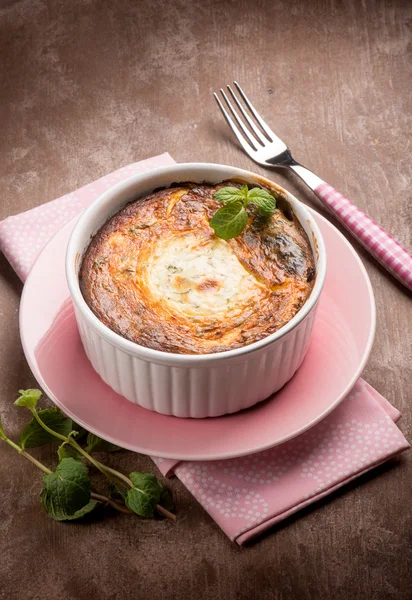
(252, 138)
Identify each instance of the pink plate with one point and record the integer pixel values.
(342, 339)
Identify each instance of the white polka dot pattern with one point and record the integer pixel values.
(249, 494)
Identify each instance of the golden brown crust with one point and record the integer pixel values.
(156, 274)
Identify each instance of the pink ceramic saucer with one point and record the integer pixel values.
(342, 339)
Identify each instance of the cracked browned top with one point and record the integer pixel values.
(157, 274)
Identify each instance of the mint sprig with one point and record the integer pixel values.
(230, 220)
(67, 493)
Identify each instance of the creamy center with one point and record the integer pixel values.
(200, 277)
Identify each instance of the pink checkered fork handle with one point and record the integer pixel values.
(388, 251)
(262, 145)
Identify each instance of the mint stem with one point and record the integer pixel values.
(120, 507)
(36, 462)
(31, 458)
(87, 456)
(43, 424)
(166, 513)
(116, 474)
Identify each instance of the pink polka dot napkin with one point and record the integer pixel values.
(247, 495)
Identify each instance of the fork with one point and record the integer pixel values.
(265, 148)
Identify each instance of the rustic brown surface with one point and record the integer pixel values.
(88, 86)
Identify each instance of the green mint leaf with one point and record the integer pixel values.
(96, 444)
(68, 451)
(229, 221)
(116, 492)
(265, 202)
(34, 435)
(79, 513)
(66, 490)
(2, 434)
(230, 194)
(28, 398)
(166, 500)
(144, 495)
(245, 190)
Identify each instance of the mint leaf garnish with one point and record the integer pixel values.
(33, 434)
(96, 444)
(144, 495)
(66, 490)
(265, 202)
(230, 220)
(28, 398)
(229, 194)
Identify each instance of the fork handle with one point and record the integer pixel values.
(388, 251)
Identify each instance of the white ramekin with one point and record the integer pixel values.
(205, 385)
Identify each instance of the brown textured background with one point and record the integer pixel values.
(87, 86)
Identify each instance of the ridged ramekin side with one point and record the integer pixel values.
(198, 391)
